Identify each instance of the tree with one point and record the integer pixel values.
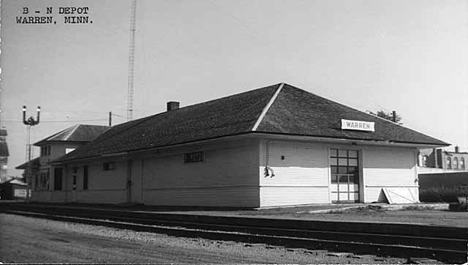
(388, 116)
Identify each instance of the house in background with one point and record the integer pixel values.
(52, 147)
(441, 161)
(442, 169)
(13, 189)
(277, 145)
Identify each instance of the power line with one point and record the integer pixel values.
(58, 121)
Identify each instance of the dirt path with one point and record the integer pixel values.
(25, 239)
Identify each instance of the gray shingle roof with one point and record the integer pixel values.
(76, 133)
(298, 112)
(293, 112)
(34, 162)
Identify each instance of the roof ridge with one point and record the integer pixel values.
(267, 107)
(52, 136)
(71, 131)
(364, 112)
(140, 120)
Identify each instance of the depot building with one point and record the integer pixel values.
(273, 146)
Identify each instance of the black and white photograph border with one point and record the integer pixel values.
(253, 131)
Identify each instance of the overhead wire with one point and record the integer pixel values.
(20, 121)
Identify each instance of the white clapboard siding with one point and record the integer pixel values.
(388, 167)
(58, 196)
(222, 196)
(41, 196)
(302, 164)
(226, 178)
(98, 179)
(277, 196)
(103, 186)
(136, 180)
(101, 196)
(298, 173)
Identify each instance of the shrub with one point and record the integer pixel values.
(442, 194)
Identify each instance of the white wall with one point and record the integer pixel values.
(48, 196)
(103, 186)
(228, 177)
(393, 168)
(233, 174)
(303, 176)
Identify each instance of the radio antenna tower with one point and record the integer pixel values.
(131, 61)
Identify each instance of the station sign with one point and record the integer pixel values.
(357, 125)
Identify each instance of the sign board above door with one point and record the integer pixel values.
(357, 125)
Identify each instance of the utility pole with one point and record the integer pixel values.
(29, 123)
(110, 118)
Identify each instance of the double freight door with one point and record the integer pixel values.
(344, 166)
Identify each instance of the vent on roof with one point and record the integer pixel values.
(172, 105)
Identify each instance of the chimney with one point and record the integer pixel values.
(172, 105)
(457, 149)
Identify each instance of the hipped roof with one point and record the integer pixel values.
(278, 109)
(25, 165)
(76, 133)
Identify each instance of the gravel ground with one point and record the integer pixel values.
(26, 240)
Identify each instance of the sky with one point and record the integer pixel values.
(407, 56)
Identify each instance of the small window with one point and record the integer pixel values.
(455, 163)
(108, 166)
(449, 163)
(194, 157)
(45, 150)
(462, 163)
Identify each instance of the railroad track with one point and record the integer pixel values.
(446, 244)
